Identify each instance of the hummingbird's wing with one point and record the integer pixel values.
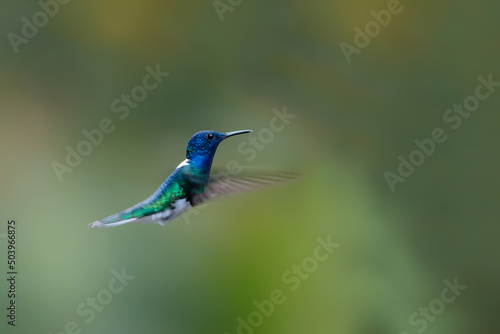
(223, 183)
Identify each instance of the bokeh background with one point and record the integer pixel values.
(352, 122)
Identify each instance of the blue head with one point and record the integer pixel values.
(202, 146)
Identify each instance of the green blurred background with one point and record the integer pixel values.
(352, 122)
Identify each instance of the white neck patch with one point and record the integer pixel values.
(184, 163)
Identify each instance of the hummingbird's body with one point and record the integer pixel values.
(190, 184)
(169, 201)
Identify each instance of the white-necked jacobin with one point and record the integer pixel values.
(191, 184)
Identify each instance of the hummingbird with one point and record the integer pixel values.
(191, 184)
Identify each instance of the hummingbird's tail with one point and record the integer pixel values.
(104, 223)
(135, 214)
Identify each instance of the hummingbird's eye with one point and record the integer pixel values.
(210, 136)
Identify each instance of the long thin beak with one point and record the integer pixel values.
(229, 134)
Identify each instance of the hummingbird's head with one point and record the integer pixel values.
(203, 144)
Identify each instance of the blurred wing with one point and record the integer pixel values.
(247, 180)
